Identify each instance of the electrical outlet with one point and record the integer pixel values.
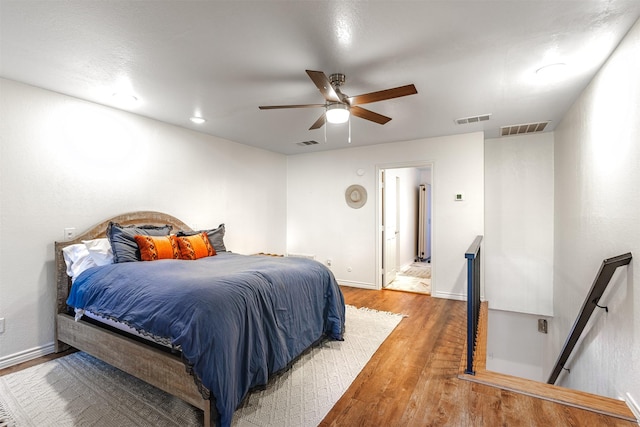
(1, 325)
(542, 326)
(69, 233)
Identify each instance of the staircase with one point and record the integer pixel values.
(590, 402)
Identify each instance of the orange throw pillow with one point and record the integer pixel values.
(157, 247)
(196, 246)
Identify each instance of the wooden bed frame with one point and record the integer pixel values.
(159, 368)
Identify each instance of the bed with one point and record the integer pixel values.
(206, 330)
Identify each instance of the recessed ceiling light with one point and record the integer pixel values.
(197, 120)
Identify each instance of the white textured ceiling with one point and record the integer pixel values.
(221, 59)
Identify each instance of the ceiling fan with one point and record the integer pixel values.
(339, 106)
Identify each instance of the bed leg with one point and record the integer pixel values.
(211, 418)
(207, 414)
(60, 347)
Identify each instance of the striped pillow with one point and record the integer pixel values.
(196, 246)
(157, 247)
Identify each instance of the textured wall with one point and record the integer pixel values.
(71, 163)
(514, 345)
(597, 206)
(319, 220)
(519, 223)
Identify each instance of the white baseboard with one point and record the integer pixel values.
(26, 355)
(353, 284)
(364, 285)
(633, 405)
(449, 295)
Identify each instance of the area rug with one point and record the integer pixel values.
(410, 284)
(416, 277)
(418, 269)
(79, 390)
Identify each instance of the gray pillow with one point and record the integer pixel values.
(216, 237)
(123, 243)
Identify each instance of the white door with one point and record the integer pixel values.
(390, 229)
(427, 254)
(398, 206)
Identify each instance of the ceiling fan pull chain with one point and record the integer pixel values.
(349, 141)
(325, 133)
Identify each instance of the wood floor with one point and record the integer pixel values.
(413, 378)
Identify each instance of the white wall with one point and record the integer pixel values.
(514, 345)
(518, 246)
(597, 207)
(320, 222)
(425, 176)
(70, 163)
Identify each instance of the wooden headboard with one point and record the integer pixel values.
(63, 282)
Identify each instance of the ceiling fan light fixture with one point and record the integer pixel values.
(337, 113)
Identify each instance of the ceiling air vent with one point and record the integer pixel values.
(474, 119)
(523, 128)
(305, 143)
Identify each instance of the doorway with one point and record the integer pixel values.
(405, 246)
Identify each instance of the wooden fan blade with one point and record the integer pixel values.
(323, 84)
(382, 95)
(319, 123)
(275, 107)
(369, 115)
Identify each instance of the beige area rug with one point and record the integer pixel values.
(418, 269)
(79, 390)
(414, 278)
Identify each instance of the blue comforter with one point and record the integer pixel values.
(237, 318)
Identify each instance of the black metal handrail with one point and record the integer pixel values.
(473, 299)
(600, 283)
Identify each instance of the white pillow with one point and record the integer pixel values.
(77, 259)
(100, 251)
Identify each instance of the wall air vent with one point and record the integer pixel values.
(523, 128)
(305, 143)
(474, 119)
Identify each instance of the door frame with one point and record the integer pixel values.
(378, 217)
(389, 273)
